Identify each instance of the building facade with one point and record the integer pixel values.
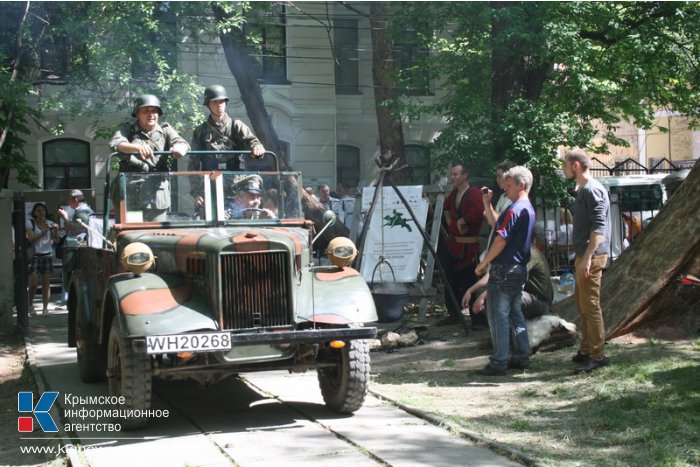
(318, 93)
(316, 80)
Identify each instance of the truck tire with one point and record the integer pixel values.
(344, 386)
(129, 375)
(91, 359)
(91, 355)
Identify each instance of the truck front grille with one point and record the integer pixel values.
(255, 290)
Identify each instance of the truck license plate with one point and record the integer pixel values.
(202, 342)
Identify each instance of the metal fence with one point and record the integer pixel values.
(637, 193)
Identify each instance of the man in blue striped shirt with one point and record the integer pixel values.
(508, 257)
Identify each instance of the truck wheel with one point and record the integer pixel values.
(344, 386)
(71, 321)
(129, 376)
(91, 356)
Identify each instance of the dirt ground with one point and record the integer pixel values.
(437, 375)
(440, 367)
(15, 376)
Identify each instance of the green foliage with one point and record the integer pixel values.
(522, 79)
(130, 48)
(114, 52)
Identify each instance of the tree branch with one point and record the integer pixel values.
(13, 76)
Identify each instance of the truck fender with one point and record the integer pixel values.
(340, 296)
(152, 304)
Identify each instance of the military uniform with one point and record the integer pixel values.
(228, 135)
(154, 193)
(161, 138)
(250, 184)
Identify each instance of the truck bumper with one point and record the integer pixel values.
(308, 336)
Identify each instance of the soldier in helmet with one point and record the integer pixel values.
(141, 138)
(220, 133)
(137, 143)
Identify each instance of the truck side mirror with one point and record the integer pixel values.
(329, 219)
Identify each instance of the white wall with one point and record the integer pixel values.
(306, 113)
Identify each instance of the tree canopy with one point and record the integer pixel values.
(524, 78)
(515, 79)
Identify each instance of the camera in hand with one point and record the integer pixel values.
(485, 190)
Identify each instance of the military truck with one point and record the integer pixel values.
(190, 284)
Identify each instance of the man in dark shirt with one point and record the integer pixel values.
(508, 257)
(591, 239)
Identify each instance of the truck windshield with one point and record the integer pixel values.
(205, 197)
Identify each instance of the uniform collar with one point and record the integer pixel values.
(226, 120)
(156, 129)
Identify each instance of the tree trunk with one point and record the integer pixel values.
(385, 90)
(243, 68)
(8, 107)
(631, 291)
(516, 71)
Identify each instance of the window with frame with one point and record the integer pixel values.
(269, 43)
(66, 164)
(418, 164)
(62, 52)
(347, 69)
(411, 64)
(348, 165)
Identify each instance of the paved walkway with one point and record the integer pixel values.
(390, 435)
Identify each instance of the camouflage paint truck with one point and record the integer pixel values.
(207, 290)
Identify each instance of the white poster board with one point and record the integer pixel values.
(392, 233)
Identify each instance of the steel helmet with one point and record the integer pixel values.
(214, 92)
(146, 100)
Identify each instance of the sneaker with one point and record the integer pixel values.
(518, 365)
(592, 365)
(45, 312)
(447, 321)
(488, 370)
(580, 357)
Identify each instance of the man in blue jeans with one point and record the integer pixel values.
(508, 257)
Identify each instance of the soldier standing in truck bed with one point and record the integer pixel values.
(220, 133)
(137, 142)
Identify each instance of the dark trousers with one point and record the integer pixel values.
(460, 280)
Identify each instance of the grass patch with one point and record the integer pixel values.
(642, 410)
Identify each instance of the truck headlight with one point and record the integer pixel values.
(341, 252)
(137, 258)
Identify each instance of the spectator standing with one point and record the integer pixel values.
(508, 257)
(491, 214)
(503, 202)
(76, 233)
(137, 142)
(41, 234)
(347, 204)
(591, 239)
(328, 201)
(463, 213)
(220, 133)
